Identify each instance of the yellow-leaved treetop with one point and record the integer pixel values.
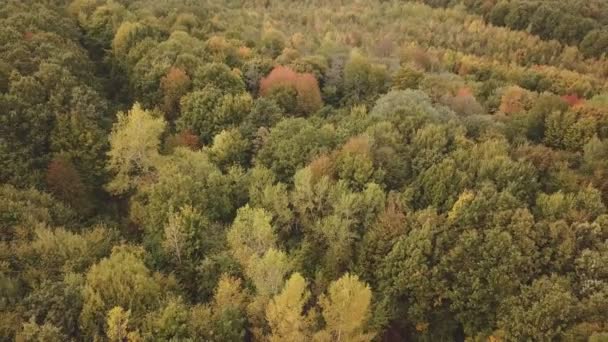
(118, 326)
(229, 293)
(346, 311)
(134, 143)
(285, 315)
(123, 36)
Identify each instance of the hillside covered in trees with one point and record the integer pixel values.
(311, 170)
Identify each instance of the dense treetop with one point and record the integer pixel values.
(271, 170)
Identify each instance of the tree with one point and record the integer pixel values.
(346, 311)
(567, 130)
(354, 162)
(174, 85)
(57, 303)
(117, 324)
(186, 178)
(183, 139)
(463, 103)
(544, 309)
(34, 332)
(308, 96)
(268, 272)
(363, 81)
(274, 198)
(209, 111)
(595, 43)
(250, 235)
(123, 37)
(134, 144)
(224, 319)
(229, 148)
(175, 236)
(28, 208)
(273, 42)
(169, 322)
(63, 180)
(285, 312)
(292, 142)
(218, 75)
(407, 78)
(379, 240)
(515, 100)
(120, 280)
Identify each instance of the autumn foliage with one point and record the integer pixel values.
(174, 85)
(184, 139)
(305, 84)
(573, 100)
(63, 180)
(514, 100)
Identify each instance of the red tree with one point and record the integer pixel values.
(573, 100)
(309, 95)
(187, 139)
(280, 76)
(174, 85)
(306, 86)
(63, 181)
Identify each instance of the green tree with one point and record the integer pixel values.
(229, 148)
(218, 75)
(209, 111)
(363, 81)
(273, 42)
(544, 309)
(186, 178)
(170, 322)
(268, 272)
(38, 333)
(251, 235)
(292, 142)
(595, 43)
(224, 319)
(407, 78)
(120, 280)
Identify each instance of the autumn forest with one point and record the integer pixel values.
(303, 170)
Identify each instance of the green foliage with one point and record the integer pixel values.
(34, 332)
(186, 178)
(291, 143)
(363, 81)
(407, 78)
(251, 235)
(209, 111)
(120, 280)
(543, 309)
(219, 76)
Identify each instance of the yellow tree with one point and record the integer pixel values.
(346, 310)
(118, 326)
(134, 143)
(284, 312)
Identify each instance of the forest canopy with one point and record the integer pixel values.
(281, 170)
